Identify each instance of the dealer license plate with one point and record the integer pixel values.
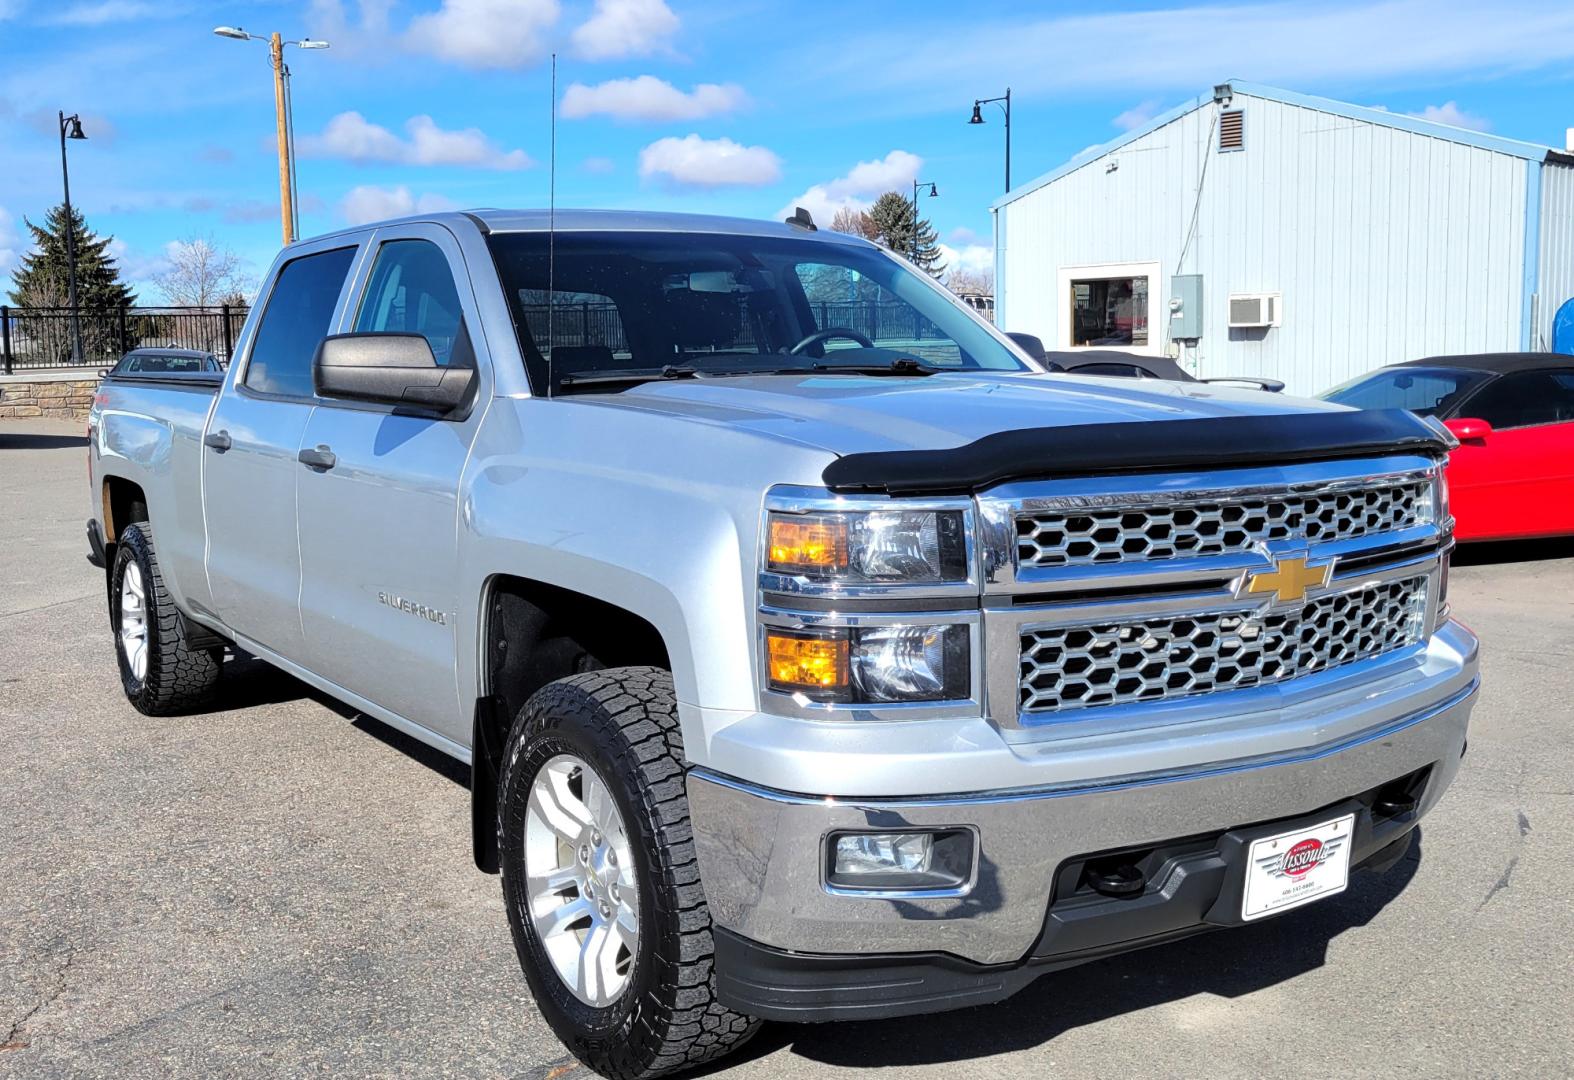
(1295, 868)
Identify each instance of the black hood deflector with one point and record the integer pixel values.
(1145, 446)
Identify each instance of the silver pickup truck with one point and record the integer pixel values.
(816, 654)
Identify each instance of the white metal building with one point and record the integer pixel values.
(1262, 232)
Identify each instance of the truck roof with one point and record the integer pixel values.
(570, 220)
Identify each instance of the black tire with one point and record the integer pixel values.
(623, 722)
(179, 676)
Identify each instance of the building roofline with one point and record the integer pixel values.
(1414, 124)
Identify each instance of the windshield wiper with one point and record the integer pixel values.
(630, 375)
(902, 365)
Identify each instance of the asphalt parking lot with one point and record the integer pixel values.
(285, 888)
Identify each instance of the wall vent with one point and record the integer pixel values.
(1232, 130)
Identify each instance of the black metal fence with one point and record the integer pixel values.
(38, 338)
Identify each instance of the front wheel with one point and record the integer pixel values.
(600, 879)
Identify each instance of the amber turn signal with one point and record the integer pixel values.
(807, 543)
(800, 662)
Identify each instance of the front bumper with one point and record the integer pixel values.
(761, 850)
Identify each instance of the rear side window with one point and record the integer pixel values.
(1524, 400)
(412, 292)
(295, 321)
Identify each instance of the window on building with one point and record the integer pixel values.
(1524, 400)
(297, 318)
(1109, 311)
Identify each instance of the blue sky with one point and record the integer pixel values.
(744, 107)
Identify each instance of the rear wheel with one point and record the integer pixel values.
(160, 670)
(600, 879)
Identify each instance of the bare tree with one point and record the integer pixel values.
(981, 282)
(203, 273)
(857, 222)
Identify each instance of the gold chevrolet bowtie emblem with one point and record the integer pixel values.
(1290, 578)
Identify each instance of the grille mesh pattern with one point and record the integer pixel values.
(1161, 657)
(1223, 526)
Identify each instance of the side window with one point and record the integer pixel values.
(841, 298)
(1534, 397)
(412, 292)
(297, 318)
(579, 331)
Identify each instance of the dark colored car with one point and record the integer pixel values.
(1512, 475)
(1126, 365)
(156, 361)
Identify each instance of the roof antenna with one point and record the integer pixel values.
(802, 219)
(552, 230)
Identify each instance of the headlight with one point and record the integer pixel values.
(868, 546)
(857, 665)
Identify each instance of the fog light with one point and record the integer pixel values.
(913, 861)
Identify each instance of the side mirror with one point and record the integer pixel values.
(1030, 344)
(1467, 430)
(390, 369)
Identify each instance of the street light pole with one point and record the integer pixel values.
(283, 115)
(933, 191)
(73, 125)
(1004, 101)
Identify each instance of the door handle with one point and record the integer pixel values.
(217, 440)
(321, 458)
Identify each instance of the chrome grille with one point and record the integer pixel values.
(1154, 658)
(1206, 523)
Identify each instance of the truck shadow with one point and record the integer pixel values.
(1228, 964)
(252, 683)
(15, 440)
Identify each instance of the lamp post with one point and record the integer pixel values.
(71, 128)
(283, 113)
(1004, 101)
(933, 191)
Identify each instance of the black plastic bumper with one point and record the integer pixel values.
(1192, 885)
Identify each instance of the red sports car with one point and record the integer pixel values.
(1512, 475)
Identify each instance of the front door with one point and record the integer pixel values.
(1517, 481)
(250, 469)
(379, 530)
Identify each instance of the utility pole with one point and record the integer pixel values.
(283, 113)
(286, 203)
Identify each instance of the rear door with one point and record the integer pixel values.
(250, 469)
(379, 530)
(1519, 480)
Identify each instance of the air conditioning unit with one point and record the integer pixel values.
(1255, 310)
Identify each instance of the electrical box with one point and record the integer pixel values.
(1185, 307)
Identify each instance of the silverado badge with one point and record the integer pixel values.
(1290, 578)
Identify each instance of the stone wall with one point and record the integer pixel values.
(58, 395)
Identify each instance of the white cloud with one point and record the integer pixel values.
(1190, 48)
(650, 98)
(351, 136)
(138, 267)
(695, 162)
(621, 28)
(1450, 113)
(963, 235)
(1138, 115)
(9, 8)
(972, 258)
(10, 243)
(485, 33)
(371, 203)
(864, 182)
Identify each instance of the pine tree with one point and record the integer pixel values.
(41, 280)
(897, 226)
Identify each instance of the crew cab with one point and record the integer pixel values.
(815, 653)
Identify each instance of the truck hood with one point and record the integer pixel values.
(849, 414)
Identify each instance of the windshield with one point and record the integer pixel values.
(714, 304)
(1424, 391)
